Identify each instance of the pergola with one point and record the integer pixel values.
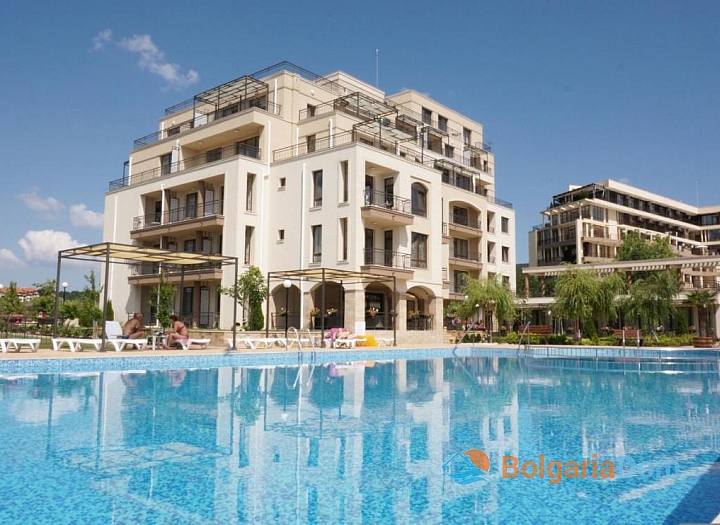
(115, 253)
(321, 275)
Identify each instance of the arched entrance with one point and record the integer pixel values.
(420, 308)
(379, 307)
(285, 308)
(334, 305)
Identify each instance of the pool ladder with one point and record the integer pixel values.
(298, 340)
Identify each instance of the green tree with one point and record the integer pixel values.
(161, 298)
(636, 248)
(584, 296)
(46, 297)
(88, 309)
(703, 300)
(250, 291)
(650, 298)
(489, 295)
(10, 302)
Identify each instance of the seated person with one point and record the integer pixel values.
(134, 328)
(178, 333)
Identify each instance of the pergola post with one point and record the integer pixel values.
(57, 295)
(103, 333)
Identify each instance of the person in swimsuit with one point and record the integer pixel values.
(134, 329)
(179, 332)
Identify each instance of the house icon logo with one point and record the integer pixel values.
(467, 467)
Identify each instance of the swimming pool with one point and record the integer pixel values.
(263, 440)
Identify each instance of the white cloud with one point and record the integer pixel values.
(152, 58)
(81, 217)
(8, 258)
(36, 203)
(102, 38)
(43, 245)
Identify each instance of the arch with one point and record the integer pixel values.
(334, 304)
(419, 194)
(285, 307)
(420, 310)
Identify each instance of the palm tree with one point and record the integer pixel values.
(703, 300)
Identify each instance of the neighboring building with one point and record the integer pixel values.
(288, 170)
(586, 225)
(24, 294)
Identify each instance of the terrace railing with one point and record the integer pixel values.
(387, 201)
(208, 157)
(466, 255)
(207, 209)
(391, 259)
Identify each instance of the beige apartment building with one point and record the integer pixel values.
(289, 171)
(586, 225)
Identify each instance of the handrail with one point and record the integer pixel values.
(524, 332)
(176, 215)
(389, 258)
(388, 201)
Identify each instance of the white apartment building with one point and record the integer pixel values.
(288, 170)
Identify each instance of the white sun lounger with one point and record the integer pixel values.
(254, 343)
(75, 343)
(202, 343)
(15, 344)
(114, 338)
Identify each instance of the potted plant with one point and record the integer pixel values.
(372, 311)
(330, 311)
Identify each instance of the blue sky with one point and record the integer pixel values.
(568, 92)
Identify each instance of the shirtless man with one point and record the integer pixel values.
(134, 329)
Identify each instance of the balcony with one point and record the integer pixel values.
(356, 104)
(464, 258)
(386, 209)
(149, 274)
(206, 216)
(465, 227)
(387, 262)
(209, 157)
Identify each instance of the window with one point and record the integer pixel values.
(281, 235)
(460, 216)
(249, 230)
(505, 254)
(165, 164)
(461, 248)
(213, 155)
(442, 123)
(189, 246)
(310, 143)
(449, 151)
(343, 239)
(157, 216)
(506, 281)
(317, 187)
(282, 183)
(426, 116)
(418, 257)
(173, 131)
(419, 199)
(504, 224)
(467, 136)
(191, 205)
(344, 197)
(310, 110)
(249, 191)
(206, 245)
(317, 243)
(459, 280)
(248, 147)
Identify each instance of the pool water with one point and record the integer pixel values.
(362, 442)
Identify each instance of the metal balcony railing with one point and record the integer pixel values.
(207, 209)
(214, 155)
(463, 254)
(149, 269)
(387, 201)
(391, 259)
(464, 220)
(202, 120)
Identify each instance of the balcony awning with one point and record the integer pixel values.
(361, 103)
(383, 129)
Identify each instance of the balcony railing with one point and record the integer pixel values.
(215, 155)
(391, 259)
(464, 220)
(445, 275)
(387, 201)
(207, 209)
(202, 120)
(466, 255)
(148, 269)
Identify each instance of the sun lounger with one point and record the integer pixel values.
(115, 339)
(254, 343)
(75, 343)
(189, 342)
(346, 342)
(15, 344)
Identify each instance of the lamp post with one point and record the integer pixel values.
(550, 321)
(64, 285)
(287, 284)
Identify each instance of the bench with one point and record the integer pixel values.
(15, 344)
(631, 335)
(540, 329)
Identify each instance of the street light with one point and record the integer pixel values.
(64, 285)
(550, 321)
(287, 284)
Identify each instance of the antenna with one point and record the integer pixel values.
(377, 67)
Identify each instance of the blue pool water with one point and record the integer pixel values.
(362, 442)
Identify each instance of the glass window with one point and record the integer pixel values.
(317, 243)
(426, 116)
(249, 230)
(505, 254)
(249, 191)
(213, 155)
(442, 123)
(467, 136)
(310, 143)
(460, 216)
(317, 187)
(191, 205)
(344, 180)
(419, 200)
(419, 250)
(165, 164)
(449, 151)
(189, 246)
(283, 182)
(343, 239)
(505, 224)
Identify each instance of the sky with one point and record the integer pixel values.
(567, 92)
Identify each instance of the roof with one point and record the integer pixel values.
(127, 253)
(695, 261)
(328, 274)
